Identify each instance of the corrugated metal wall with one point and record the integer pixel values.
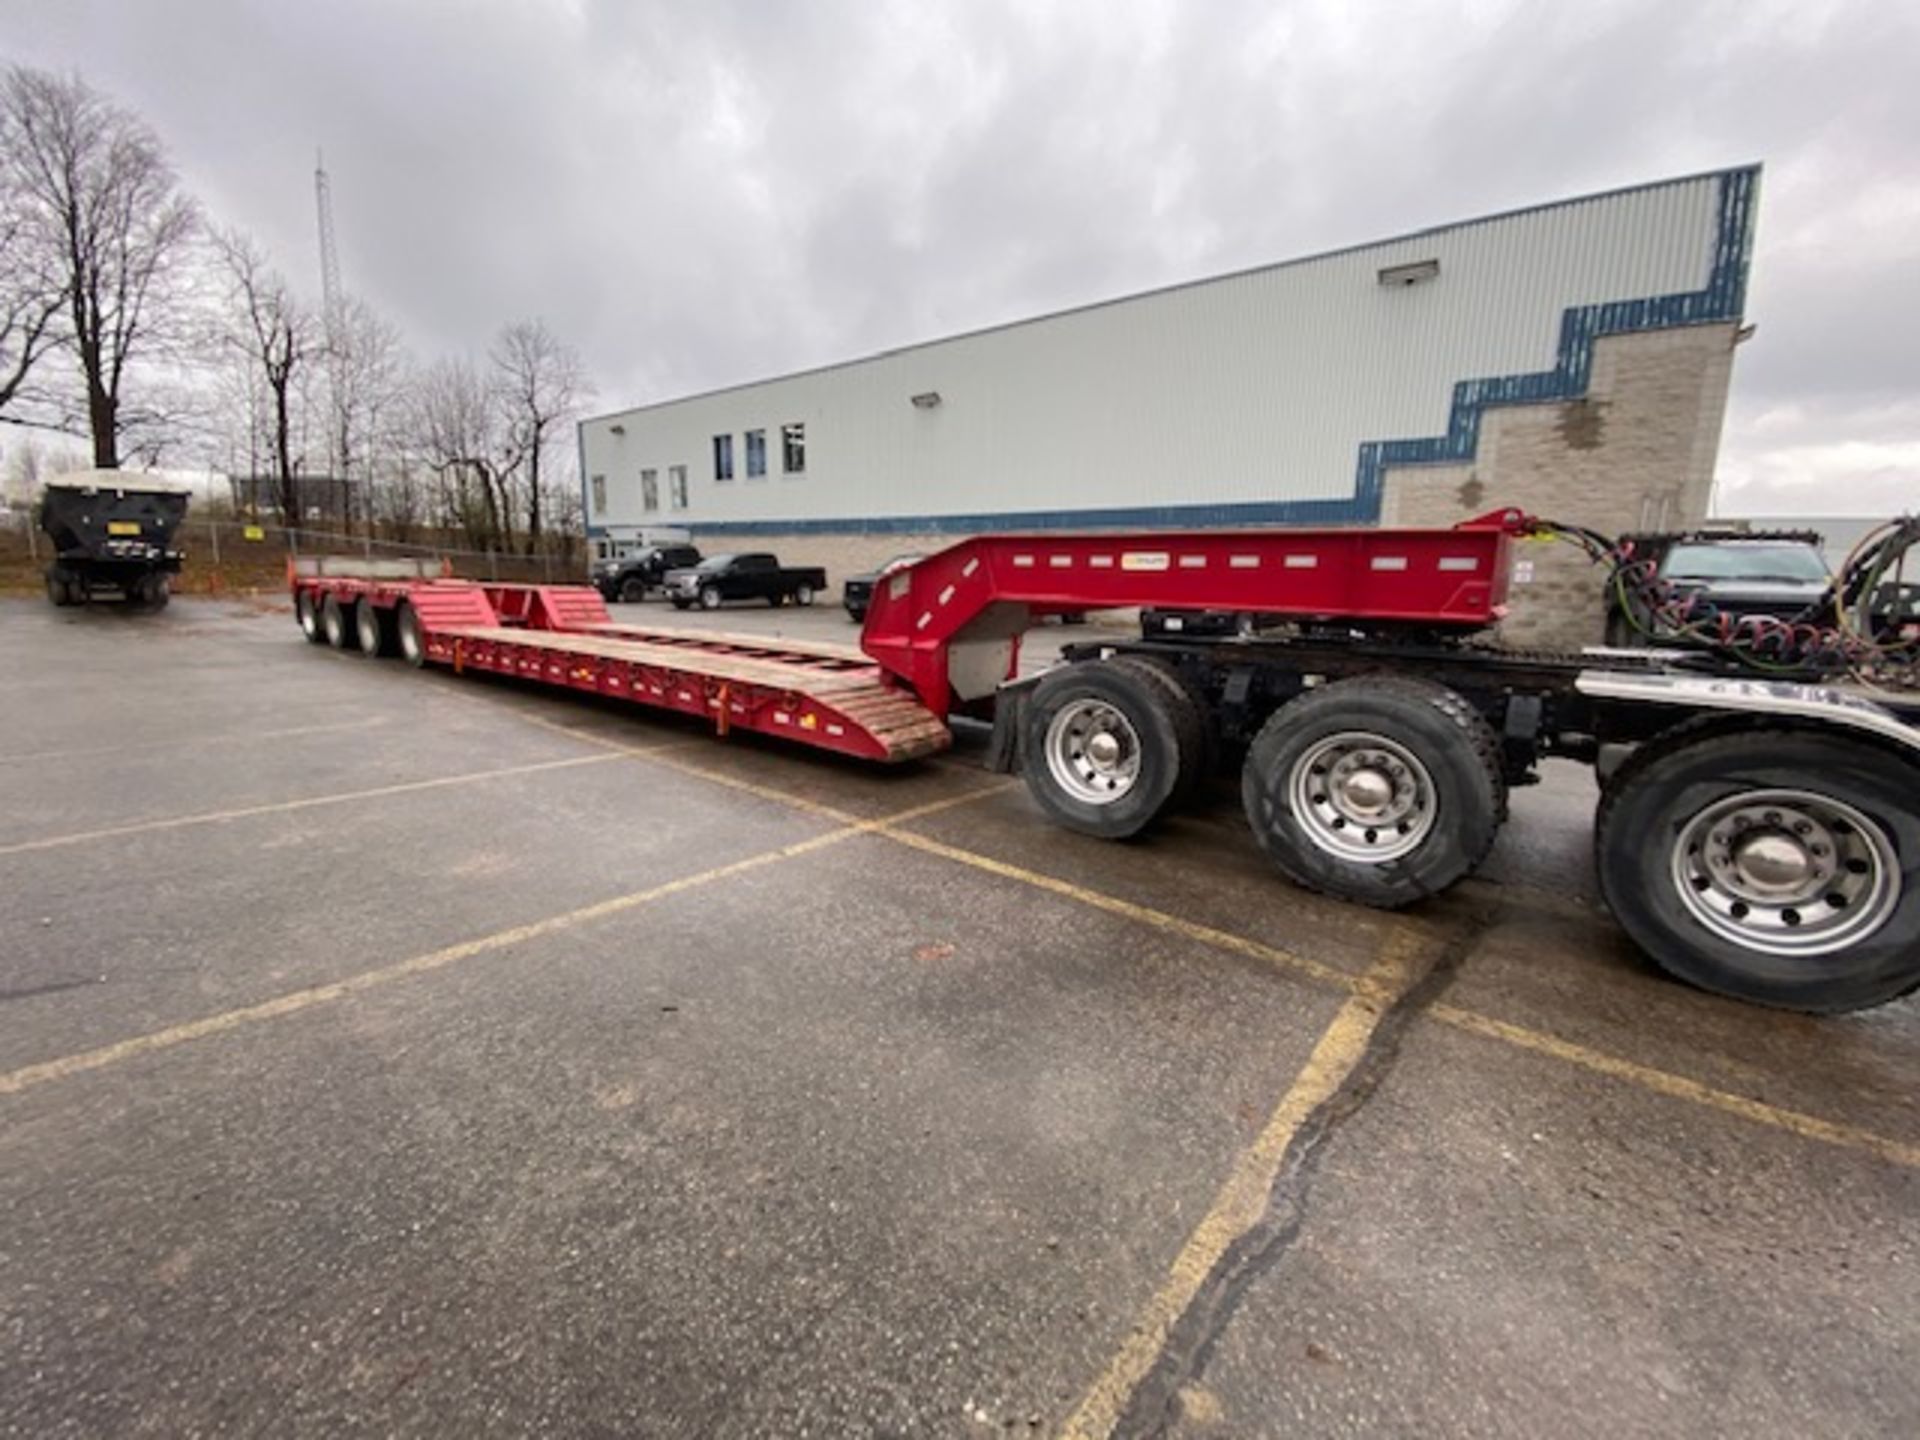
(1244, 398)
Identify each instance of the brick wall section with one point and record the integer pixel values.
(1648, 431)
(1637, 452)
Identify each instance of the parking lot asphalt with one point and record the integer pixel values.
(398, 1053)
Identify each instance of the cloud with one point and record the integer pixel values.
(700, 195)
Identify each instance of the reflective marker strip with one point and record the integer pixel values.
(1244, 562)
(1023, 562)
(1389, 562)
(1302, 562)
(1193, 562)
(1459, 562)
(1060, 562)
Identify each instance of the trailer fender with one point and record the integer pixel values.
(1774, 699)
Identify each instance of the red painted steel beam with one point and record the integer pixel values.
(942, 624)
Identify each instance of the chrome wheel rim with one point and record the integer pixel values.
(1360, 796)
(1786, 872)
(1093, 752)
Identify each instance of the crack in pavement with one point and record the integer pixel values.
(1154, 1405)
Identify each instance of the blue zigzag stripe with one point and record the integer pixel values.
(1721, 300)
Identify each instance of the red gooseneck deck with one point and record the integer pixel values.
(940, 635)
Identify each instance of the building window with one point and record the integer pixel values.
(650, 491)
(599, 494)
(723, 457)
(677, 486)
(793, 449)
(756, 454)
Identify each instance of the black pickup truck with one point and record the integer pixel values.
(754, 576)
(631, 578)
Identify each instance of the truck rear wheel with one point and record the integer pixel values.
(411, 635)
(1780, 867)
(307, 611)
(633, 590)
(1102, 748)
(333, 622)
(803, 594)
(1380, 790)
(373, 629)
(60, 589)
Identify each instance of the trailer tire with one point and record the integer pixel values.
(307, 611)
(409, 635)
(1825, 920)
(1379, 789)
(1189, 722)
(1101, 749)
(372, 629)
(710, 598)
(633, 590)
(333, 623)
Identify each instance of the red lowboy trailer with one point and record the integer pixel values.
(1758, 837)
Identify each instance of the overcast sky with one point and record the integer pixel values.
(698, 194)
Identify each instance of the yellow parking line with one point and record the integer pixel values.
(281, 807)
(196, 741)
(1244, 1197)
(1679, 1087)
(1539, 1041)
(1127, 909)
(28, 1076)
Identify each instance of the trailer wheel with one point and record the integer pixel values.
(710, 598)
(373, 629)
(307, 611)
(410, 634)
(1780, 867)
(1183, 708)
(1379, 789)
(633, 590)
(1102, 748)
(803, 594)
(333, 622)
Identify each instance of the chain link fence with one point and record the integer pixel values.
(235, 555)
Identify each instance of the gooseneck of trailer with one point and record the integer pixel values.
(1756, 836)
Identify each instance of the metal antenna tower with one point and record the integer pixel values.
(333, 315)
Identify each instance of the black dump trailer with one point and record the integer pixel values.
(113, 534)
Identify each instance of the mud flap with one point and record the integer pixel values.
(1009, 719)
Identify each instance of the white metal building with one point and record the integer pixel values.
(1302, 392)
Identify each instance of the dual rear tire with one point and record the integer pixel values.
(1381, 791)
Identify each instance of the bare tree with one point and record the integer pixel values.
(31, 297)
(460, 437)
(541, 384)
(104, 216)
(367, 380)
(267, 323)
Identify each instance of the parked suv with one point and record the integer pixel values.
(633, 576)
